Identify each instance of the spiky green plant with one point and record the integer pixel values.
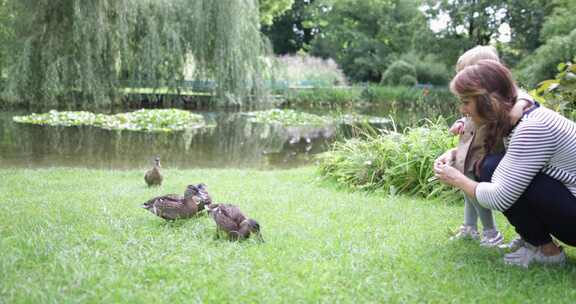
(391, 162)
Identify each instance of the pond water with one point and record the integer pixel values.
(233, 143)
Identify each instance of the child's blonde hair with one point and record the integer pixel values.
(476, 54)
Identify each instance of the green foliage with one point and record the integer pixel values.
(397, 70)
(324, 96)
(526, 18)
(166, 120)
(393, 96)
(82, 50)
(287, 118)
(559, 93)
(429, 68)
(561, 21)
(270, 9)
(364, 36)
(391, 162)
(407, 81)
(542, 64)
(291, 32)
(480, 19)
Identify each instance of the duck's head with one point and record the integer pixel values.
(251, 226)
(191, 191)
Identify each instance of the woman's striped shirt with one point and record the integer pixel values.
(543, 141)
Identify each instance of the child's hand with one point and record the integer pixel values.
(518, 110)
(457, 128)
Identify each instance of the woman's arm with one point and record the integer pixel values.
(531, 147)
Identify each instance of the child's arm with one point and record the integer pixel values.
(457, 127)
(518, 109)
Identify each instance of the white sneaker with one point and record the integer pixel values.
(466, 232)
(491, 238)
(529, 254)
(514, 245)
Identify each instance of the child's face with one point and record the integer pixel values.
(468, 108)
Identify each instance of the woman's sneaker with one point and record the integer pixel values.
(466, 232)
(528, 254)
(514, 245)
(491, 238)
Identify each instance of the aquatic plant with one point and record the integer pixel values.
(157, 120)
(287, 117)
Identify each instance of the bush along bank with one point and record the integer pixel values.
(416, 96)
(391, 162)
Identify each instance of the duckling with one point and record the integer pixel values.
(153, 177)
(233, 222)
(172, 207)
(204, 196)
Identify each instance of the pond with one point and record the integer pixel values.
(234, 142)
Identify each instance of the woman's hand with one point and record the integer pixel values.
(451, 176)
(448, 174)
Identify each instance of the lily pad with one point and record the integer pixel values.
(163, 120)
(287, 118)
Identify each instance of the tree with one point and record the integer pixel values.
(475, 22)
(291, 32)
(82, 50)
(364, 36)
(270, 9)
(559, 32)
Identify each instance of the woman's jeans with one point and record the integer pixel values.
(546, 208)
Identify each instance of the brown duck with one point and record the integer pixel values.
(153, 177)
(236, 225)
(173, 207)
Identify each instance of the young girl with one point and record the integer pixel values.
(470, 152)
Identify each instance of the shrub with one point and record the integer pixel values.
(429, 69)
(391, 162)
(541, 64)
(408, 80)
(324, 96)
(396, 71)
(559, 93)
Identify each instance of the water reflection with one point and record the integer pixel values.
(234, 142)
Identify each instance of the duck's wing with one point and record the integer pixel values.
(170, 209)
(224, 221)
(168, 197)
(233, 212)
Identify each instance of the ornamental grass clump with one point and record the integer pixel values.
(392, 162)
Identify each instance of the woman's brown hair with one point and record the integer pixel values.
(491, 85)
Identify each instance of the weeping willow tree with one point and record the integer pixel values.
(86, 51)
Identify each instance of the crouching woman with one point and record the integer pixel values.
(534, 182)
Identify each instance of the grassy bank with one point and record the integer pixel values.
(76, 235)
(399, 96)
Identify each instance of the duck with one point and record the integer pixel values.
(203, 195)
(153, 177)
(172, 207)
(233, 222)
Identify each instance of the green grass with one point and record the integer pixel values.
(78, 235)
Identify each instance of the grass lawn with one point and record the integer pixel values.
(78, 235)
